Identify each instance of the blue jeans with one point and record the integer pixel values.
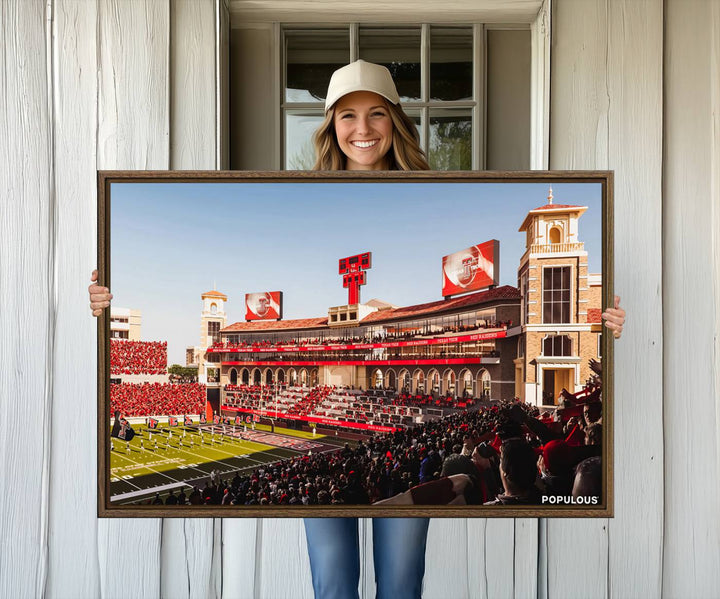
(398, 554)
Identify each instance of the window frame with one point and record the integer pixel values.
(570, 290)
(476, 107)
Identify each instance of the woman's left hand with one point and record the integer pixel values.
(615, 318)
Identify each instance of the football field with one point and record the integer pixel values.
(156, 461)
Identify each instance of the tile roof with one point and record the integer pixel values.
(214, 294)
(555, 206)
(273, 325)
(506, 292)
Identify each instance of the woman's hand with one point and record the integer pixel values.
(615, 318)
(99, 296)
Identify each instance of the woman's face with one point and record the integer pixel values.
(364, 130)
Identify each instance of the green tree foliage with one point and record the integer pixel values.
(183, 374)
(450, 145)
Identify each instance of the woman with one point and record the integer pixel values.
(365, 129)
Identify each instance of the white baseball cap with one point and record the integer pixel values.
(361, 76)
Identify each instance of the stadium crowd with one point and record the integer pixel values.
(138, 357)
(153, 399)
(511, 455)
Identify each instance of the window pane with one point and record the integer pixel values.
(565, 312)
(450, 146)
(399, 50)
(299, 150)
(414, 115)
(451, 55)
(311, 58)
(547, 312)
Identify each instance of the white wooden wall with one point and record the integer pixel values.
(635, 87)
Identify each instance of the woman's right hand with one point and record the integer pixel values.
(99, 296)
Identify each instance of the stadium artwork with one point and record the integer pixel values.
(432, 346)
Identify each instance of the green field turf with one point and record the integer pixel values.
(141, 468)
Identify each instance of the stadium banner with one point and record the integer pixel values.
(263, 306)
(348, 346)
(471, 269)
(152, 423)
(409, 361)
(419, 362)
(187, 421)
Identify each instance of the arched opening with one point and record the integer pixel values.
(304, 377)
(376, 380)
(419, 381)
(555, 235)
(483, 384)
(257, 377)
(233, 376)
(280, 375)
(245, 376)
(466, 384)
(314, 377)
(268, 377)
(292, 377)
(404, 379)
(449, 383)
(434, 382)
(390, 382)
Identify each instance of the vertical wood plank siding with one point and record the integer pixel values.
(133, 85)
(133, 130)
(27, 203)
(691, 408)
(187, 550)
(607, 113)
(73, 555)
(635, 89)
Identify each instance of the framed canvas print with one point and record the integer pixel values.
(355, 344)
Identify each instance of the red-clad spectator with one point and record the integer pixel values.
(138, 357)
(150, 399)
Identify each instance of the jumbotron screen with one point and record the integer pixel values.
(263, 306)
(473, 268)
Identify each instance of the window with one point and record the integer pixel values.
(556, 294)
(557, 345)
(214, 331)
(439, 71)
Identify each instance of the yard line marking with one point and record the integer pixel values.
(153, 470)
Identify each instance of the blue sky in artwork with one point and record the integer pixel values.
(171, 242)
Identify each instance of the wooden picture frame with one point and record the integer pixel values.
(532, 328)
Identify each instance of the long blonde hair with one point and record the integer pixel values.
(405, 153)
